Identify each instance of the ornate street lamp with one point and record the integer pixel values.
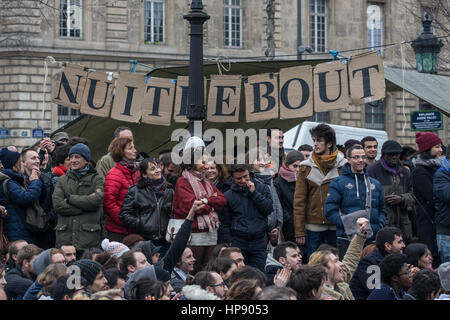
(427, 47)
(196, 105)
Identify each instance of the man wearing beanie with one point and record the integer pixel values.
(16, 196)
(395, 182)
(444, 276)
(427, 163)
(78, 201)
(94, 274)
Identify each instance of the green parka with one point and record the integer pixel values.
(79, 220)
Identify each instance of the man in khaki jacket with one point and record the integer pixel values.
(313, 181)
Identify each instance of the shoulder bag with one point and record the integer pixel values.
(349, 220)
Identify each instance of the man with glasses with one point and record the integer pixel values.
(348, 194)
(313, 180)
(396, 278)
(396, 185)
(211, 282)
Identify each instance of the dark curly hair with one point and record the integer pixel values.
(326, 132)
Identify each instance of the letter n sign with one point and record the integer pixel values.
(69, 86)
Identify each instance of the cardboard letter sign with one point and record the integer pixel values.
(129, 95)
(330, 86)
(366, 73)
(296, 92)
(261, 97)
(97, 95)
(224, 98)
(69, 86)
(158, 101)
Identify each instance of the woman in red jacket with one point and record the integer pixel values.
(123, 175)
(191, 186)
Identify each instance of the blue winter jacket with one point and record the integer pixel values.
(441, 195)
(16, 203)
(385, 292)
(245, 215)
(348, 193)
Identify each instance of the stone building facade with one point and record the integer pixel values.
(105, 34)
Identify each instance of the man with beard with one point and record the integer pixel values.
(313, 180)
(350, 193)
(370, 145)
(396, 185)
(275, 139)
(388, 240)
(285, 255)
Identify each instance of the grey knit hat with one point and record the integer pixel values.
(444, 275)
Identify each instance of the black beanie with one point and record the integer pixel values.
(9, 158)
(161, 274)
(89, 269)
(391, 146)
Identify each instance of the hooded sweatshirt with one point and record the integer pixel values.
(272, 266)
(42, 261)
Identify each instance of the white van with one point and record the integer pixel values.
(299, 135)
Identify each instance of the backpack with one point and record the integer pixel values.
(36, 219)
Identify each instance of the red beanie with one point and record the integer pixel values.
(427, 140)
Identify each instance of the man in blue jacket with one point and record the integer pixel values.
(244, 219)
(441, 195)
(348, 194)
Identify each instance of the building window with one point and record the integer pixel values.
(375, 115)
(65, 115)
(232, 23)
(375, 27)
(154, 22)
(70, 18)
(318, 25)
(321, 117)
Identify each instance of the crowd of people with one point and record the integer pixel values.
(324, 222)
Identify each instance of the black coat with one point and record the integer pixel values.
(358, 283)
(245, 215)
(441, 192)
(145, 213)
(286, 192)
(422, 182)
(400, 184)
(17, 284)
(223, 186)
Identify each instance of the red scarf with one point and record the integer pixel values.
(60, 170)
(287, 174)
(211, 220)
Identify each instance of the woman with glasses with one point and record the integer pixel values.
(285, 186)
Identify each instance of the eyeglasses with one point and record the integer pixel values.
(408, 272)
(359, 157)
(222, 284)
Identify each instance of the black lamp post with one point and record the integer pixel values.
(426, 48)
(196, 109)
